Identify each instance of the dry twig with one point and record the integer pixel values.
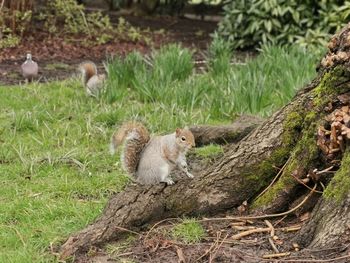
(267, 222)
(277, 255)
(212, 256)
(218, 234)
(337, 259)
(251, 231)
(273, 245)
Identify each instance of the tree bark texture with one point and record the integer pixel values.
(329, 225)
(286, 140)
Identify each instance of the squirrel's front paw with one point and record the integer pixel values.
(169, 181)
(189, 175)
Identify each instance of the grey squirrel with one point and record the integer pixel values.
(92, 81)
(150, 160)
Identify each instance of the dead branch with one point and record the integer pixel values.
(273, 245)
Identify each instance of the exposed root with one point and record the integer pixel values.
(263, 216)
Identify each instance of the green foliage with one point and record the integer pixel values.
(13, 24)
(126, 31)
(220, 55)
(67, 17)
(188, 231)
(259, 86)
(9, 40)
(253, 23)
(72, 17)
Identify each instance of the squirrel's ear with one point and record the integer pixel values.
(177, 131)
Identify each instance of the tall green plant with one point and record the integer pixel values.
(220, 54)
(260, 86)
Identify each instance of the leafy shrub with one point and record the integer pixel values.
(63, 17)
(249, 24)
(72, 17)
(15, 17)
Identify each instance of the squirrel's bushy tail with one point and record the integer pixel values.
(133, 136)
(88, 69)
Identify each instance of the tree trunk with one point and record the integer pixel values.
(283, 145)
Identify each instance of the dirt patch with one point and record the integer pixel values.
(58, 58)
(218, 245)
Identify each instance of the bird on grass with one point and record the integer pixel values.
(29, 68)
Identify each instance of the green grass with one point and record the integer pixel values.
(56, 172)
(188, 231)
(260, 86)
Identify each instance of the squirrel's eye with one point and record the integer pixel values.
(183, 138)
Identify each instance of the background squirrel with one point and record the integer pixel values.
(150, 160)
(92, 81)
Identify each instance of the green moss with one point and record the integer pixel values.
(302, 151)
(292, 127)
(291, 132)
(330, 85)
(339, 187)
(265, 171)
(209, 151)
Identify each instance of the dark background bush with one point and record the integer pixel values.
(248, 24)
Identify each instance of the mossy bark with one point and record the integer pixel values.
(288, 137)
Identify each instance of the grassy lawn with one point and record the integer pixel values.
(56, 171)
